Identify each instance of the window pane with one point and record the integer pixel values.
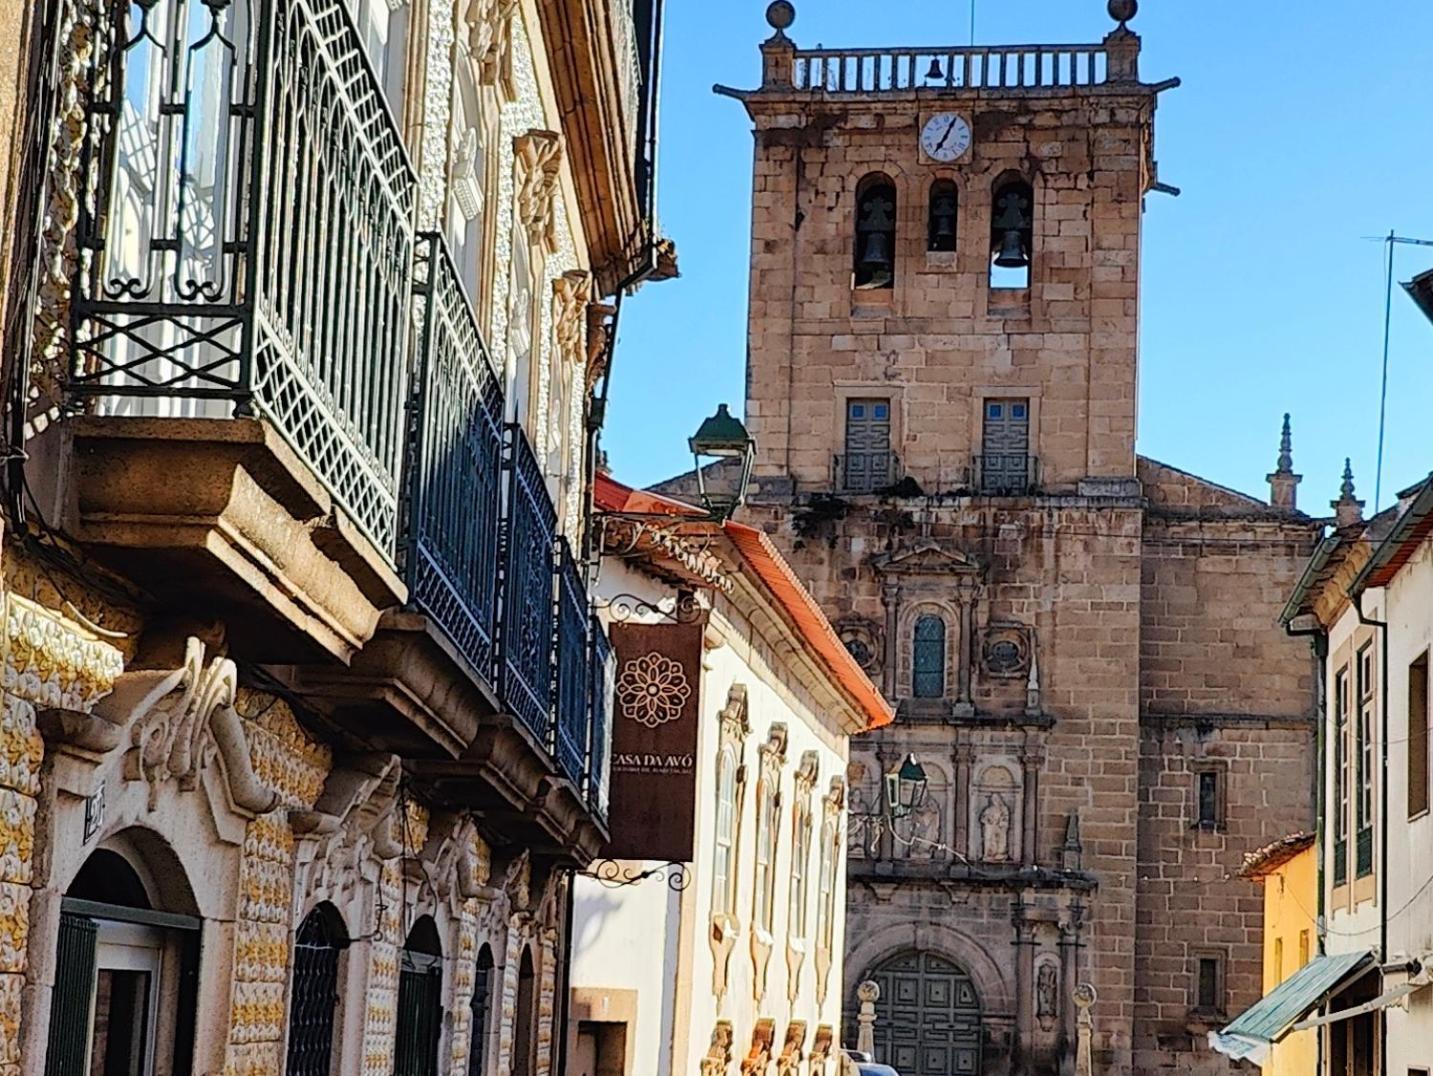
(1418, 736)
(1208, 983)
(1208, 799)
(928, 658)
(858, 410)
(994, 410)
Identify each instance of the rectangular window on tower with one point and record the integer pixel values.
(1418, 736)
(868, 463)
(1363, 761)
(1005, 466)
(1208, 794)
(1208, 983)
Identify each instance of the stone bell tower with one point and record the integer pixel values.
(942, 371)
(942, 227)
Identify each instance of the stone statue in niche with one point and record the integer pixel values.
(1047, 991)
(925, 830)
(995, 830)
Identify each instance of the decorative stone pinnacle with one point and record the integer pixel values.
(1283, 483)
(1286, 448)
(1123, 10)
(1348, 509)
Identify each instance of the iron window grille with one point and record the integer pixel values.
(318, 948)
(245, 239)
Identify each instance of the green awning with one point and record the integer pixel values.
(1259, 1027)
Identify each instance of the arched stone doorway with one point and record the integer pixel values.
(928, 1019)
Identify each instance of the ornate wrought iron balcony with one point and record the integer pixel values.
(479, 547)
(245, 236)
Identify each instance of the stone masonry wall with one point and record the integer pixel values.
(1223, 689)
(940, 339)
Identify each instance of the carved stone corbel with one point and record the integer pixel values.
(758, 1058)
(539, 156)
(833, 810)
(571, 296)
(725, 927)
(789, 1063)
(821, 1044)
(717, 1059)
(489, 30)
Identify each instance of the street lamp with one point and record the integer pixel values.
(905, 788)
(722, 437)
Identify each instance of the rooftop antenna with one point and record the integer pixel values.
(1392, 239)
(972, 23)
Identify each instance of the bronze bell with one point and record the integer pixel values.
(877, 255)
(935, 74)
(944, 224)
(1012, 253)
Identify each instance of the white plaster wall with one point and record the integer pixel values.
(1408, 600)
(626, 939)
(648, 938)
(1348, 931)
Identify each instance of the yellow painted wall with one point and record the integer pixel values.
(1290, 899)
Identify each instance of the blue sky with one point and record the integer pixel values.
(1299, 130)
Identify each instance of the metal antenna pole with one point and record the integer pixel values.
(972, 22)
(1383, 391)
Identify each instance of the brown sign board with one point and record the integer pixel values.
(656, 707)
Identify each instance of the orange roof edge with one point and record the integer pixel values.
(609, 495)
(810, 622)
(776, 576)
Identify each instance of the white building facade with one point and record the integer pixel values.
(730, 959)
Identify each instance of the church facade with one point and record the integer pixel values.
(1082, 644)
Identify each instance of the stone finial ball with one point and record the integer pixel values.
(780, 15)
(868, 991)
(1123, 10)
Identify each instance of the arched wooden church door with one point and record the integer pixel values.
(928, 1017)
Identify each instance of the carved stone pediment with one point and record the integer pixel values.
(927, 558)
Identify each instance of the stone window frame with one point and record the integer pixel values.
(489, 108)
(833, 810)
(980, 395)
(1365, 736)
(1219, 770)
(1341, 769)
(1197, 957)
(846, 391)
(725, 925)
(1417, 749)
(766, 850)
(910, 615)
(798, 905)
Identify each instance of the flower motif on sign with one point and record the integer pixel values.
(653, 689)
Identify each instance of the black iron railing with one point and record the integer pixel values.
(529, 531)
(245, 239)
(1005, 474)
(574, 684)
(453, 478)
(603, 674)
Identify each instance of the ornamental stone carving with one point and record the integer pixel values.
(995, 829)
(652, 689)
(757, 1061)
(489, 38)
(465, 174)
(717, 1059)
(789, 1063)
(571, 296)
(821, 1045)
(539, 163)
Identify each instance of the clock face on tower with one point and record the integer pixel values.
(945, 136)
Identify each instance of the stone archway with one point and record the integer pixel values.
(929, 1016)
